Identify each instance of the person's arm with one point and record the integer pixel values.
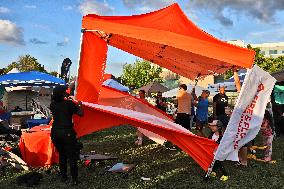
(214, 106)
(237, 79)
(194, 94)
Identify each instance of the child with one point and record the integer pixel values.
(216, 135)
(267, 136)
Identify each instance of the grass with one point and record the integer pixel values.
(165, 168)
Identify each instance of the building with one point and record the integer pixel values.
(270, 49)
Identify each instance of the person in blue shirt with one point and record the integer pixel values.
(202, 105)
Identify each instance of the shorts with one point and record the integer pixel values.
(183, 119)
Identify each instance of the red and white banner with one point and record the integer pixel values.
(248, 113)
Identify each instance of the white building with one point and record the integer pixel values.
(271, 49)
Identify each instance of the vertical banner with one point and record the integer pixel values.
(92, 66)
(66, 64)
(248, 113)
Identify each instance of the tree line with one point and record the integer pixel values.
(143, 72)
(26, 63)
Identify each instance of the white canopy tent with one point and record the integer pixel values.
(198, 91)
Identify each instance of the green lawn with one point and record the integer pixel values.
(166, 168)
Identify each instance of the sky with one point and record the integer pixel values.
(50, 30)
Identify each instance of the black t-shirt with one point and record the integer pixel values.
(160, 106)
(221, 102)
(62, 113)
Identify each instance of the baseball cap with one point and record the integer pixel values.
(217, 123)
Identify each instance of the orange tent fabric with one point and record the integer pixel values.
(92, 65)
(199, 148)
(168, 38)
(112, 97)
(37, 148)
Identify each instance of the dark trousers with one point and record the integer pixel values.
(183, 119)
(65, 142)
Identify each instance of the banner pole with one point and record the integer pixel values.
(78, 65)
(210, 169)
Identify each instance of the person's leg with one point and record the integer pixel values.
(219, 166)
(63, 165)
(73, 160)
(59, 145)
(191, 121)
(243, 152)
(268, 150)
(187, 122)
(72, 155)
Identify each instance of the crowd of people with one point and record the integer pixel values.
(190, 107)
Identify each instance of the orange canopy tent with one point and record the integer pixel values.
(165, 37)
(168, 38)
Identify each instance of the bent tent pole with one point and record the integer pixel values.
(78, 65)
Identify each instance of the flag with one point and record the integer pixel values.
(65, 69)
(248, 113)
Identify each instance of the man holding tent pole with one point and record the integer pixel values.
(243, 152)
(63, 135)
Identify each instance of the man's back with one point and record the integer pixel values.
(184, 102)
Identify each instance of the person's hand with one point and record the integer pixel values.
(80, 103)
(235, 69)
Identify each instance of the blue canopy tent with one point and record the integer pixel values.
(116, 85)
(32, 78)
(29, 79)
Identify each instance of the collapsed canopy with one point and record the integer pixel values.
(168, 38)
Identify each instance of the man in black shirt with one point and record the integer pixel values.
(63, 135)
(220, 102)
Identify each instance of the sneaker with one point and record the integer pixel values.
(224, 178)
(213, 174)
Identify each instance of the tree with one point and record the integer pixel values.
(25, 63)
(268, 64)
(54, 73)
(29, 63)
(140, 73)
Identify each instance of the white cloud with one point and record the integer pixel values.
(10, 33)
(30, 6)
(4, 10)
(147, 5)
(95, 7)
(64, 42)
